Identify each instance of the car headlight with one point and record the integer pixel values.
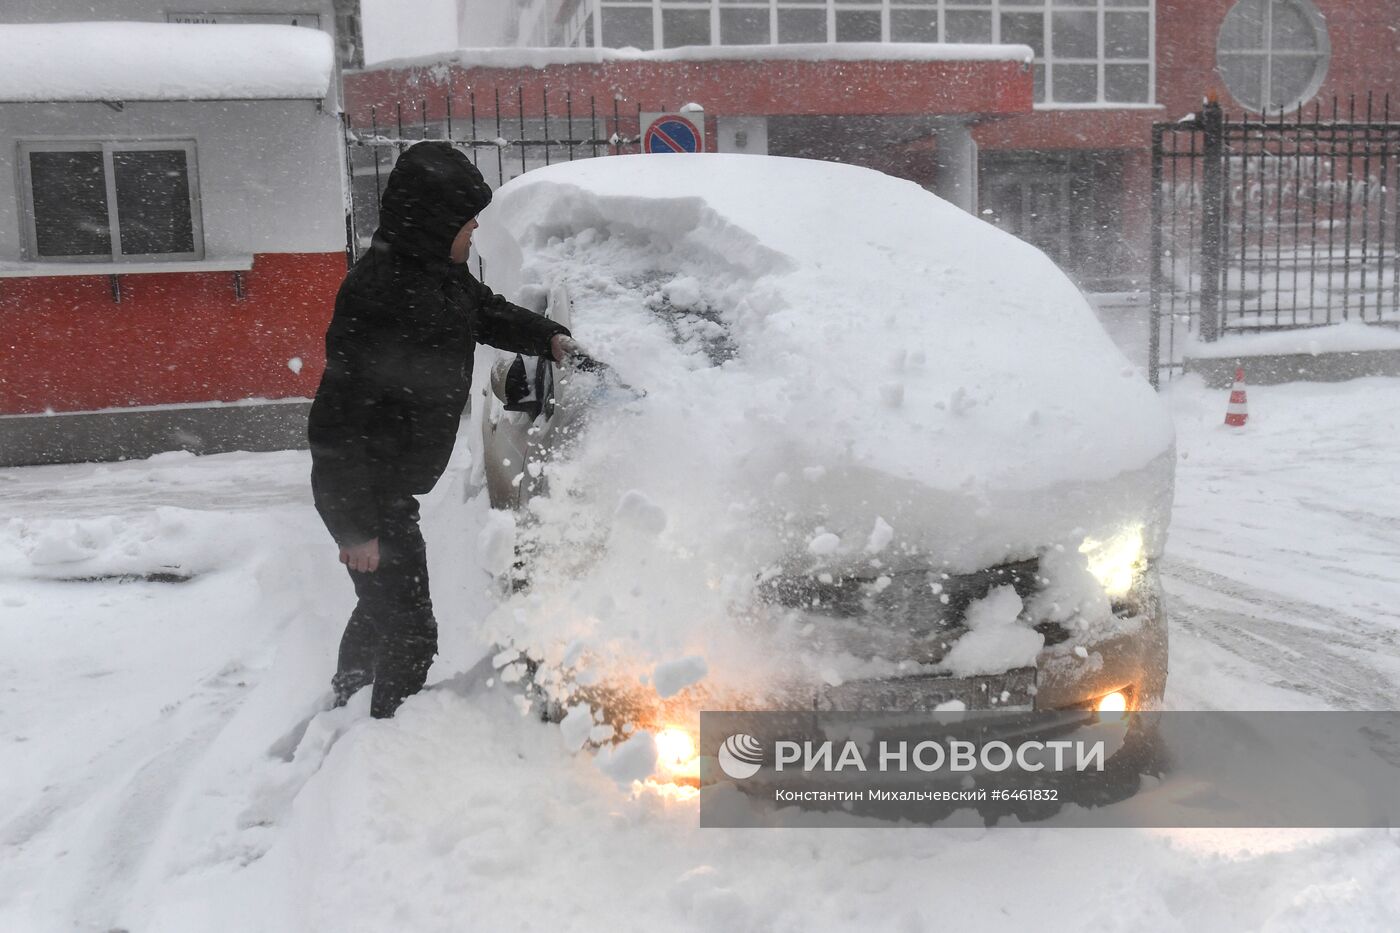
(1115, 562)
(677, 757)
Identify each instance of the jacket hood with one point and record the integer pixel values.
(433, 190)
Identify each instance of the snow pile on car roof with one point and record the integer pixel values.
(163, 61)
(844, 375)
(884, 324)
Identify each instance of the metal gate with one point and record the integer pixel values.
(1272, 223)
(505, 134)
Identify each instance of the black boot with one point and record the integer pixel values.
(403, 666)
(358, 648)
(348, 683)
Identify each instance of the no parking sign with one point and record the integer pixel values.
(673, 132)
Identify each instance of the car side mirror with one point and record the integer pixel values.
(499, 374)
(518, 388)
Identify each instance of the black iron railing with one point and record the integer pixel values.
(1272, 223)
(506, 134)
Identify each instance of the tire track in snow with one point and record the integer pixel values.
(1345, 661)
(122, 801)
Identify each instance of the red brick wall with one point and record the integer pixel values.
(177, 337)
(725, 88)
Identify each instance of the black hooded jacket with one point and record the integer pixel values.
(400, 345)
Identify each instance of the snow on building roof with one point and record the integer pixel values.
(817, 51)
(163, 61)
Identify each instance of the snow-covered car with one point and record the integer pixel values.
(852, 448)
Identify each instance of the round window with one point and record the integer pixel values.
(1273, 54)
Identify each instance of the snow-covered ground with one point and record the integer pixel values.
(1282, 564)
(155, 777)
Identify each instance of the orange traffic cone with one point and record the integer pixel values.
(1237, 412)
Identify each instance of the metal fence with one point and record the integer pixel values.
(1272, 223)
(506, 133)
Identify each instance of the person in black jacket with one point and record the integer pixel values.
(398, 371)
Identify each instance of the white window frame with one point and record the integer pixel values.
(107, 147)
(1322, 55)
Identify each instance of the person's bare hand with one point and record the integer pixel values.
(361, 558)
(561, 346)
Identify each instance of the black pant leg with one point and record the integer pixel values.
(395, 599)
(359, 647)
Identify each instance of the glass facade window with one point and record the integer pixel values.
(744, 26)
(1086, 52)
(858, 25)
(806, 23)
(1075, 84)
(1075, 33)
(629, 25)
(968, 25)
(1273, 54)
(914, 24)
(687, 25)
